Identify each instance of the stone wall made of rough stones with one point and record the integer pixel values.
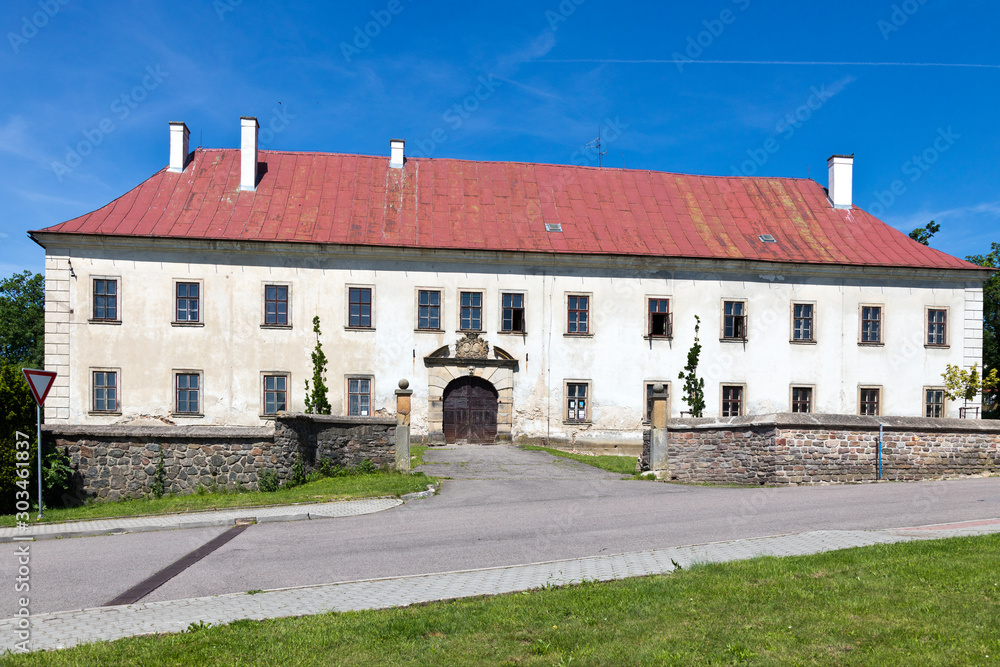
(115, 462)
(787, 449)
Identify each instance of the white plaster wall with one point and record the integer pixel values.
(232, 349)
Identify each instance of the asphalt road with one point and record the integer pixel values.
(502, 506)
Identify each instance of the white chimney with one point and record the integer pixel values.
(841, 180)
(396, 153)
(179, 134)
(248, 152)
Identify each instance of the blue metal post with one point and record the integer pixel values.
(38, 408)
(879, 451)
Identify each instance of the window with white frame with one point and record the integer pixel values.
(104, 391)
(734, 320)
(359, 396)
(870, 401)
(187, 393)
(871, 325)
(803, 322)
(802, 399)
(577, 401)
(105, 300)
(732, 400)
(577, 314)
(429, 310)
(275, 393)
(512, 313)
(934, 402)
(937, 327)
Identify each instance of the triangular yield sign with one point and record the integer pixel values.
(39, 382)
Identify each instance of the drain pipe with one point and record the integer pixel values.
(879, 469)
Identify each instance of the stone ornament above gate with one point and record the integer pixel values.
(472, 346)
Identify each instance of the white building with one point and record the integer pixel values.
(519, 300)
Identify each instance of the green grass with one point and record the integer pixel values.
(925, 603)
(322, 490)
(621, 464)
(417, 455)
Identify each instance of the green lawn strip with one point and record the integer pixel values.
(623, 464)
(323, 490)
(417, 455)
(935, 602)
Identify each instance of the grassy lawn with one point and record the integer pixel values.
(322, 490)
(924, 603)
(623, 464)
(417, 455)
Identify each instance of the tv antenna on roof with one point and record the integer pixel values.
(596, 143)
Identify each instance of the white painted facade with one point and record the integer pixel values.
(231, 350)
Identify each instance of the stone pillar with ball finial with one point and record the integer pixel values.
(403, 426)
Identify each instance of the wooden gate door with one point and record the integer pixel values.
(470, 411)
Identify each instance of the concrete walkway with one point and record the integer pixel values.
(506, 462)
(44, 531)
(69, 628)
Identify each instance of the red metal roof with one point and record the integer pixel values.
(458, 204)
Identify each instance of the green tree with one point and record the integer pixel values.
(316, 401)
(924, 234)
(991, 323)
(17, 413)
(22, 319)
(967, 384)
(694, 387)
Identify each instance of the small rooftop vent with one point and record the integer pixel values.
(767, 238)
(553, 226)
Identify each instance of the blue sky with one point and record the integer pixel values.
(90, 87)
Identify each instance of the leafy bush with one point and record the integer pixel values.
(268, 481)
(366, 467)
(298, 476)
(159, 484)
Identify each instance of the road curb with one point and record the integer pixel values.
(431, 490)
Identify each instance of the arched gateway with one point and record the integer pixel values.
(470, 411)
(470, 393)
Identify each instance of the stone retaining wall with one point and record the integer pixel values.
(119, 461)
(809, 449)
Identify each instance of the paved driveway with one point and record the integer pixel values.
(505, 462)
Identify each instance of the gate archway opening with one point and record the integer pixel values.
(470, 406)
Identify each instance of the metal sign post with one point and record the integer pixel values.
(39, 382)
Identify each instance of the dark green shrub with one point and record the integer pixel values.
(298, 473)
(366, 467)
(268, 481)
(159, 484)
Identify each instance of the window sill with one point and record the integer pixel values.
(276, 326)
(936, 347)
(732, 340)
(871, 344)
(187, 324)
(468, 331)
(350, 328)
(101, 413)
(93, 321)
(576, 423)
(578, 335)
(272, 416)
(653, 337)
(802, 342)
(513, 333)
(429, 331)
(187, 415)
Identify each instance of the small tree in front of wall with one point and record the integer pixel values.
(694, 387)
(316, 401)
(967, 384)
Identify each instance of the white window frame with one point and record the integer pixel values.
(371, 393)
(92, 408)
(565, 401)
(263, 304)
(263, 392)
(174, 389)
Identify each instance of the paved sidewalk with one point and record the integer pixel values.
(65, 629)
(43, 531)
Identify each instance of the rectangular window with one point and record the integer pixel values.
(649, 397)
(275, 394)
(472, 311)
(512, 317)
(360, 307)
(428, 309)
(188, 302)
(276, 304)
(577, 408)
(871, 324)
(188, 393)
(734, 322)
(105, 391)
(934, 402)
(578, 314)
(359, 396)
(732, 400)
(870, 401)
(660, 323)
(937, 327)
(802, 322)
(802, 399)
(106, 299)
